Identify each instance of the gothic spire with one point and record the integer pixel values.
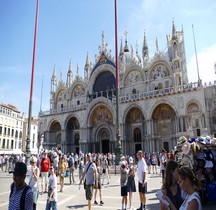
(126, 49)
(69, 75)
(54, 72)
(145, 51)
(53, 81)
(173, 31)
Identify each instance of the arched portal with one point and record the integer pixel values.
(134, 124)
(55, 135)
(100, 129)
(164, 125)
(72, 135)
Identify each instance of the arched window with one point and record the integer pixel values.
(20, 135)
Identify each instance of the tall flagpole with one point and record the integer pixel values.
(118, 146)
(28, 140)
(196, 56)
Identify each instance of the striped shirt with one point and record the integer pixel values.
(15, 199)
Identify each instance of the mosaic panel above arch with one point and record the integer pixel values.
(134, 116)
(163, 112)
(73, 123)
(78, 90)
(159, 71)
(101, 114)
(61, 95)
(55, 126)
(192, 107)
(133, 77)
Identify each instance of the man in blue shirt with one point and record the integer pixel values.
(21, 196)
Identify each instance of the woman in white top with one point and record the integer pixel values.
(33, 180)
(190, 184)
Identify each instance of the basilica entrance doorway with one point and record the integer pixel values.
(104, 139)
(105, 146)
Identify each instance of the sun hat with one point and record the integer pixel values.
(186, 148)
(195, 148)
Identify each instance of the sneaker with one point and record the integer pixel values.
(95, 202)
(140, 208)
(101, 202)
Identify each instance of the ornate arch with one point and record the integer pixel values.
(134, 115)
(96, 102)
(159, 70)
(97, 72)
(163, 111)
(133, 75)
(100, 113)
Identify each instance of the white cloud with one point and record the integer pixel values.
(206, 62)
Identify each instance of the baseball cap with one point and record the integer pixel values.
(20, 169)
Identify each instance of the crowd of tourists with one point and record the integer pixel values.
(52, 166)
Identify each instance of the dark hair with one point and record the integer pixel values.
(170, 167)
(185, 172)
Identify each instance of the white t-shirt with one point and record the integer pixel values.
(188, 199)
(141, 168)
(52, 184)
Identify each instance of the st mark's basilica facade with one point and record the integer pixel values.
(157, 104)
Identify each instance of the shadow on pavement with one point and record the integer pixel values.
(154, 206)
(76, 206)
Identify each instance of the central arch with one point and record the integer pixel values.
(163, 118)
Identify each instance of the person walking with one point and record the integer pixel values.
(163, 160)
(131, 186)
(44, 168)
(33, 180)
(81, 168)
(62, 171)
(71, 166)
(154, 163)
(141, 173)
(52, 190)
(99, 184)
(21, 195)
(104, 165)
(123, 182)
(91, 176)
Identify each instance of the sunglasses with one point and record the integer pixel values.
(51, 168)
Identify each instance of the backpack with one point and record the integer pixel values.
(70, 162)
(23, 196)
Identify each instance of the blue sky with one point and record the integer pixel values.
(68, 29)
